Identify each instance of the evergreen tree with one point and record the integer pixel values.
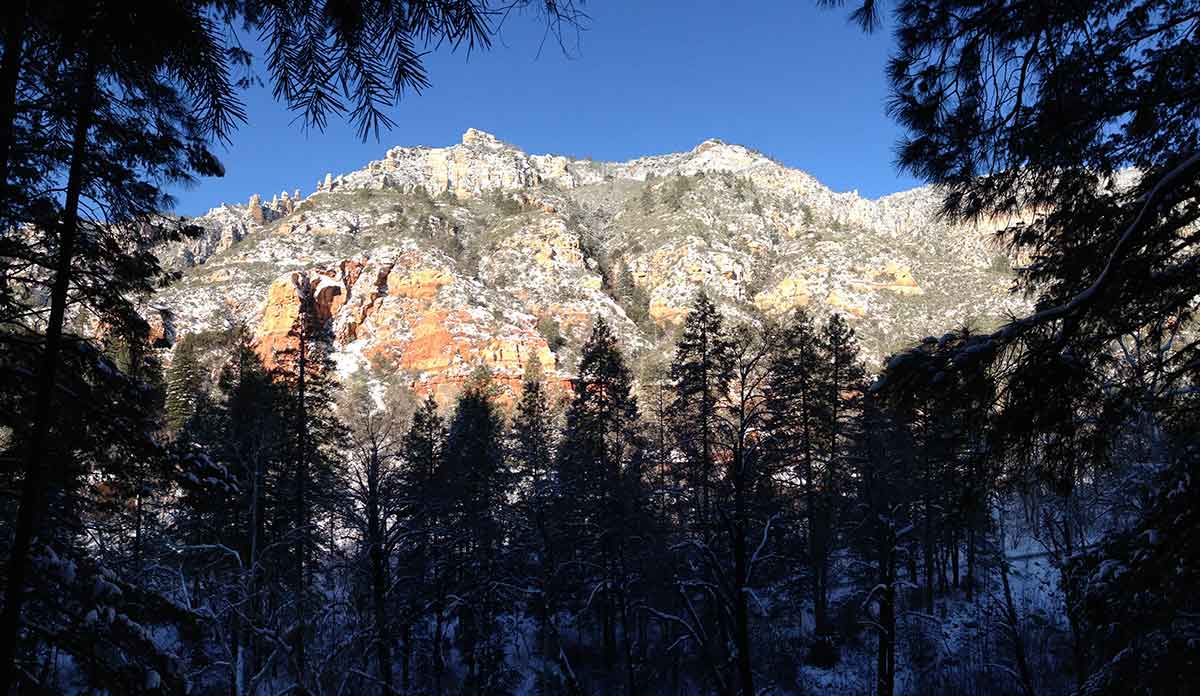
(632, 298)
(475, 482)
(107, 481)
(531, 453)
(975, 469)
(102, 104)
(304, 372)
(700, 373)
(879, 517)
(929, 432)
(1135, 638)
(252, 445)
(372, 479)
(841, 382)
(1054, 127)
(260, 549)
(230, 463)
(185, 384)
(420, 518)
(799, 397)
(747, 508)
(129, 509)
(601, 499)
(112, 128)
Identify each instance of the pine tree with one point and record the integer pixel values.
(253, 446)
(185, 385)
(601, 498)
(476, 482)
(373, 482)
(632, 298)
(531, 452)
(420, 517)
(73, 79)
(839, 411)
(101, 106)
(800, 397)
(744, 495)
(879, 516)
(533, 432)
(230, 455)
(304, 373)
(1062, 140)
(1135, 637)
(700, 374)
(108, 473)
(928, 432)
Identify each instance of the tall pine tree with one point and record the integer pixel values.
(601, 497)
(305, 373)
(476, 483)
(185, 384)
(798, 395)
(700, 374)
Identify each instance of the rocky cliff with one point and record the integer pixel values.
(437, 260)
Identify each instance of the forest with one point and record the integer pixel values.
(762, 511)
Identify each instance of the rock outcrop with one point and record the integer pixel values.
(438, 260)
(410, 311)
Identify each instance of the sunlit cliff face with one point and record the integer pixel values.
(439, 260)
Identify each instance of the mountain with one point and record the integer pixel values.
(440, 259)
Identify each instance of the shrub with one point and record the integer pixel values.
(807, 211)
(675, 191)
(647, 200)
(505, 204)
(548, 327)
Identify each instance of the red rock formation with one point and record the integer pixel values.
(280, 315)
(393, 311)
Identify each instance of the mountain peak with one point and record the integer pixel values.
(422, 265)
(474, 136)
(709, 144)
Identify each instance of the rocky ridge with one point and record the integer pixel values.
(437, 260)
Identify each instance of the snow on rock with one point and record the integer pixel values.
(444, 259)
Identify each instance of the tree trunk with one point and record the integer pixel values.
(246, 666)
(30, 508)
(927, 595)
(137, 528)
(814, 536)
(954, 558)
(741, 609)
(1068, 550)
(943, 557)
(439, 660)
(302, 498)
(1014, 627)
(821, 571)
(970, 579)
(607, 623)
(10, 73)
(468, 637)
(886, 664)
(406, 634)
(379, 577)
(630, 667)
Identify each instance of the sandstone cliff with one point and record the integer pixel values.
(441, 259)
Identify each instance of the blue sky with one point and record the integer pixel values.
(646, 77)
